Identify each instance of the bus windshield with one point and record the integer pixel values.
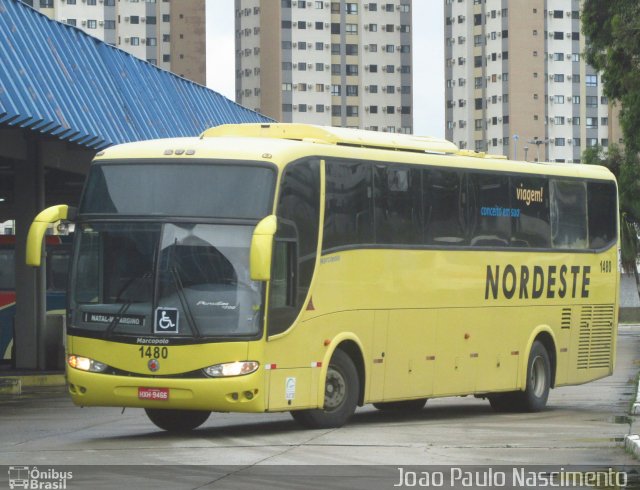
(129, 276)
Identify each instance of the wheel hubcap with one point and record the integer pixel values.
(538, 378)
(335, 389)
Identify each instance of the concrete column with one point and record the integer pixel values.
(30, 282)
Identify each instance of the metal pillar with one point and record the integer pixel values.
(30, 283)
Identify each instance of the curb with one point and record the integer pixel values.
(12, 385)
(632, 441)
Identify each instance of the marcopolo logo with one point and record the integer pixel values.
(34, 478)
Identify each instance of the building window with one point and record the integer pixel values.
(391, 109)
(604, 121)
(287, 87)
(287, 107)
(592, 101)
(558, 56)
(336, 89)
(373, 89)
(352, 69)
(352, 111)
(352, 90)
(351, 49)
(592, 122)
(336, 110)
(319, 46)
(135, 41)
(558, 77)
(302, 46)
(319, 66)
(373, 7)
(351, 8)
(591, 80)
(152, 41)
(287, 66)
(302, 66)
(134, 19)
(91, 2)
(285, 24)
(302, 107)
(373, 109)
(72, 22)
(335, 28)
(166, 18)
(166, 58)
(477, 61)
(319, 5)
(320, 107)
(92, 24)
(319, 26)
(109, 24)
(335, 7)
(373, 68)
(478, 103)
(302, 24)
(351, 28)
(69, 2)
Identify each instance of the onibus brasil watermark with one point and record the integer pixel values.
(30, 477)
(512, 477)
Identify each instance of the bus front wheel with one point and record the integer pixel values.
(534, 397)
(340, 396)
(177, 420)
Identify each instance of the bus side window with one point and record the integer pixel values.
(444, 207)
(298, 204)
(602, 211)
(568, 214)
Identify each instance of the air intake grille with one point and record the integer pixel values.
(596, 336)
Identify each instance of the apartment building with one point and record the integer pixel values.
(167, 33)
(516, 82)
(337, 63)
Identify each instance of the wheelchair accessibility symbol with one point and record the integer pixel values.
(166, 320)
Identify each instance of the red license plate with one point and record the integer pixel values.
(161, 394)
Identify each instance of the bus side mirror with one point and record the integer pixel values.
(262, 249)
(39, 227)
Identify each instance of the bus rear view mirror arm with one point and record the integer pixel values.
(39, 227)
(262, 249)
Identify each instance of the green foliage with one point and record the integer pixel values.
(612, 28)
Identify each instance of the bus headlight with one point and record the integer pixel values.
(238, 368)
(86, 364)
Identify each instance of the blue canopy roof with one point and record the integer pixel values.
(57, 80)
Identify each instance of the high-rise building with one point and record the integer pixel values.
(340, 63)
(167, 33)
(516, 82)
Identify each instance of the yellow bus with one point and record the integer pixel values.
(286, 267)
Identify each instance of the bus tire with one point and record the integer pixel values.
(341, 396)
(534, 397)
(177, 420)
(402, 406)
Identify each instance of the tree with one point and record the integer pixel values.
(612, 29)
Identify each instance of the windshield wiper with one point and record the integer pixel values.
(183, 301)
(116, 318)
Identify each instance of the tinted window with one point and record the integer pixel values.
(398, 204)
(444, 207)
(568, 214)
(221, 191)
(490, 210)
(530, 198)
(602, 213)
(348, 213)
(299, 202)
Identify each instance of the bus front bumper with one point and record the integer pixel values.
(233, 394)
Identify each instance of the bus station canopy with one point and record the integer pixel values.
(57, 80)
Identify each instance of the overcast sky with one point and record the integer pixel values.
(428, 60)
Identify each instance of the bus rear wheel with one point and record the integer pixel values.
(177, 420)
(405, 405)
(534, 397)
(340, 397)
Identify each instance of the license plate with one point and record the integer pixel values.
(161, 394)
